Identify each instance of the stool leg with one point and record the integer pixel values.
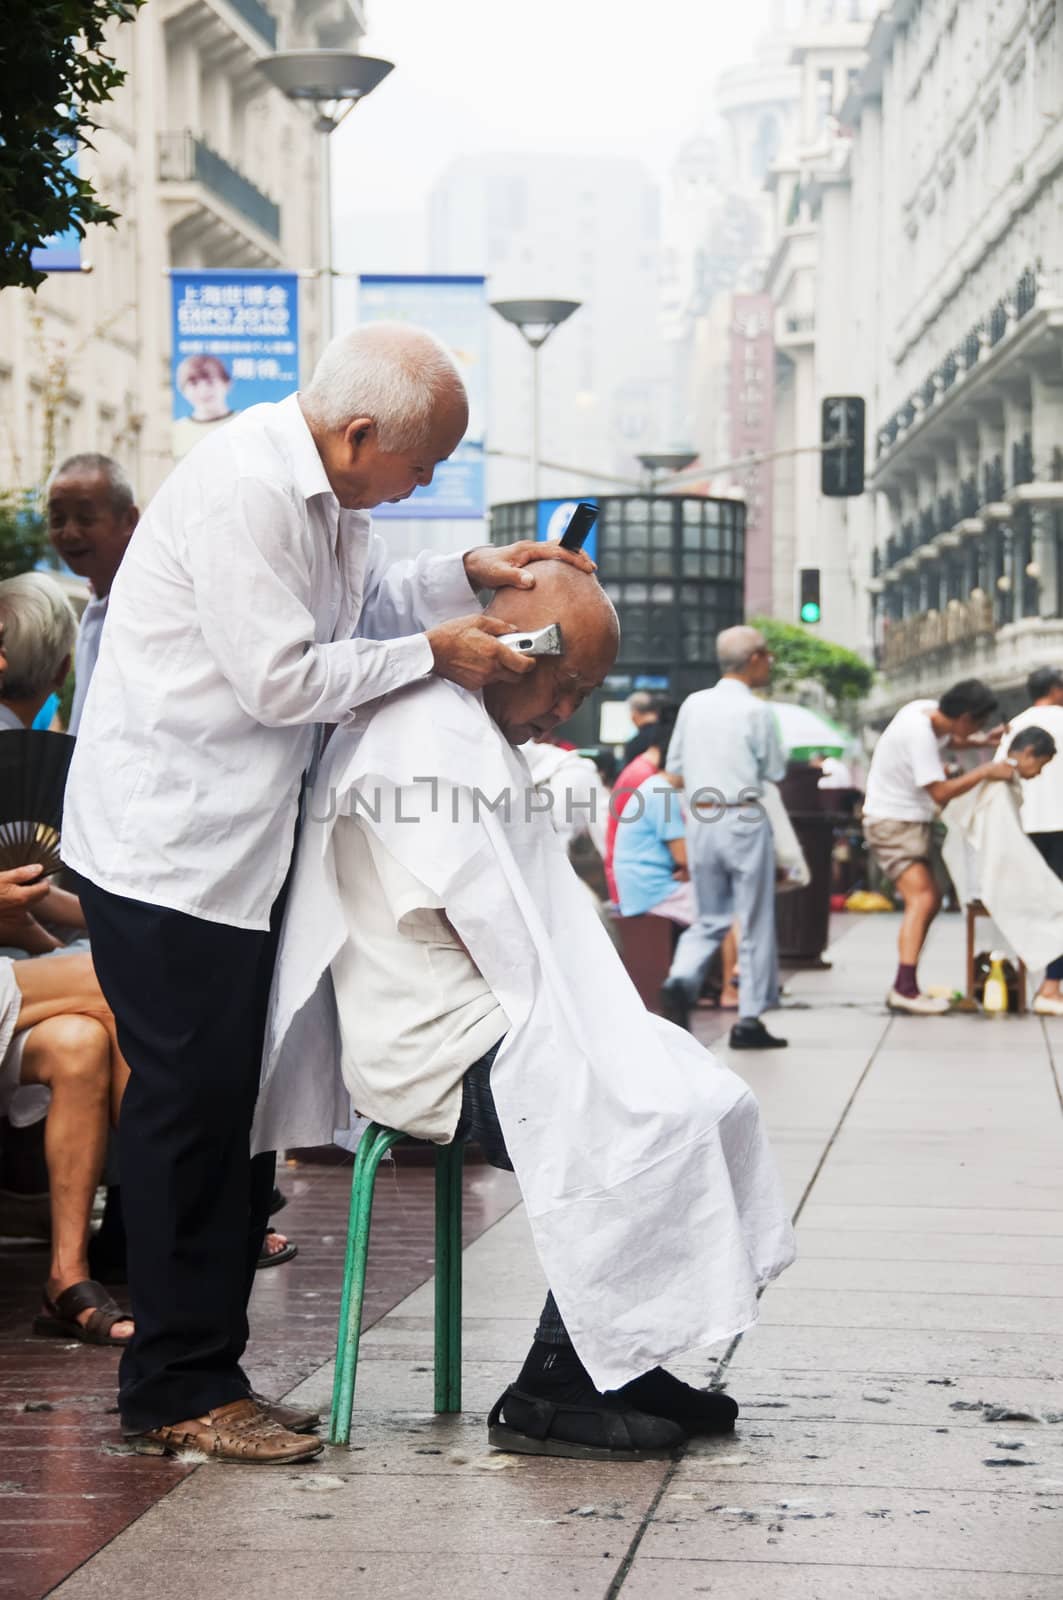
(970, 953)
(449, 1162)
(372, 1147)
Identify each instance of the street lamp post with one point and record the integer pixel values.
(667, 461)
(332, 82)
(536, 321)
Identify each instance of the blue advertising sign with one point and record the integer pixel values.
(555, 516)
(62, 251)
(455, 310)
(235, 344)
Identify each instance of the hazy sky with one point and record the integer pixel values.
(584, 76)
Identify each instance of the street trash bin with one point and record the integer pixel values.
(802, 916)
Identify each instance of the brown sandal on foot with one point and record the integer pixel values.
(60, 1317)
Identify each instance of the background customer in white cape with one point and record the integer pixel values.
(442, 951)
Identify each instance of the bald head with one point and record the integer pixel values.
(385, 406)
(590, 632)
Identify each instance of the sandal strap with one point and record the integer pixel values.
(85, 1296)
(539, 1425)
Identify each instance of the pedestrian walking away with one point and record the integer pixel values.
(724, 749)
(228, 638)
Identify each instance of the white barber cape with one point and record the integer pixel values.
(652, 1195)
(990, 858)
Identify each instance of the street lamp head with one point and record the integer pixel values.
(333, 81)
(674, 460)
(536, 319)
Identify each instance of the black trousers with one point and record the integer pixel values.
(189, 999)
(1051, 848)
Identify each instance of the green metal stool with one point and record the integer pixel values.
(374, 1144)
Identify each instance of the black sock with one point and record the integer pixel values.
(555, 1372)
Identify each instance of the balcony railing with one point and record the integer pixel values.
(258, 17)
(983, 336)
(961, 620)
(184, 158)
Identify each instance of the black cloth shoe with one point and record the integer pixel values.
(697, 1411)
(675, 1003)
(754, 1035)
(599, 1428)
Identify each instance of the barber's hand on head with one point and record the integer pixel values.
(466, 650)
(20, 888)
(506, 566)
(999, 772)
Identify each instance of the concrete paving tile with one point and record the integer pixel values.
(654, 1578)
(404, 1387)
(936, 1399)
(483, 1338)
(538, 1511)
(862, 1183)
(892, 1248)
(880, 1454)
(1031, 1276)
(983, 1221)
(952, 1354)
(796, 1307)
(887, 1527)
(358, 1575)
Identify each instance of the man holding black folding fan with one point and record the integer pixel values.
(229, 639)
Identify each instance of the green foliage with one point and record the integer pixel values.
(801, 655)
(55, 72)
(23, 535)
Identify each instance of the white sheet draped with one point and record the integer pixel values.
(652, 1195)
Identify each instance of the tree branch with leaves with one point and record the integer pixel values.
(56, 71)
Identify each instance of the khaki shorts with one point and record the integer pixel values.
(897, 845)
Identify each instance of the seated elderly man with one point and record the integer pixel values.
(37, 632)
(56, 1030)
(440, 950)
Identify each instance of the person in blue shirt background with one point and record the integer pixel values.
(650, 857)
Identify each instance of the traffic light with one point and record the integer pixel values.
(810, 608)
(841, 470)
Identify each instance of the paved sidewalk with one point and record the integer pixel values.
(902, 1398)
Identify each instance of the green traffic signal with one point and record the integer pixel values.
(810, 611)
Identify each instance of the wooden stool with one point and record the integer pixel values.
(976, 909)
(374, 1144)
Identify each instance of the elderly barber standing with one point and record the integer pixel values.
(228, 638)
(724, 749)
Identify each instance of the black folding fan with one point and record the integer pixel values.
(33, 769)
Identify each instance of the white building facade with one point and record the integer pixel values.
(207, 166)
(809, 531)
(959, 135)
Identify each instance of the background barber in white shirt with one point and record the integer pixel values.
(228, 638)
(91, 517)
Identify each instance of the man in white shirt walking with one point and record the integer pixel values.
(906, 784)
(725, 747)
(91, 517)
(1042, 805)
(229, 637)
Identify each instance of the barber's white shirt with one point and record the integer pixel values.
(86, 654)
(218, 659)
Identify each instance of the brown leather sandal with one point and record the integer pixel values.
(60, 1317)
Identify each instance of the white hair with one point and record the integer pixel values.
(391, 372)
(734, 646)
(39, 629)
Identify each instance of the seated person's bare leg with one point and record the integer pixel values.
(74, 1052)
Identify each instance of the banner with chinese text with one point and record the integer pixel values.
(455, 310)
(235, 344)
